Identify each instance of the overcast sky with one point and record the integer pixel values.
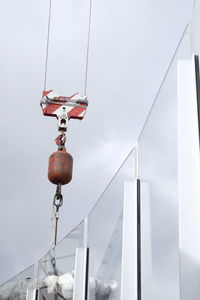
(132, 43)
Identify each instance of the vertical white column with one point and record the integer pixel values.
(31, 294)
(146, 244)
(129, 279)
(80, 274)
(81, 265)
(136, 279)
(189, 182)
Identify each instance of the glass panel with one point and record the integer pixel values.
(105, 236)
(56, 268)
(158, 168)
(16, 287)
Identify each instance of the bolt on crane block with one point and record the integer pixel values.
(63, 108)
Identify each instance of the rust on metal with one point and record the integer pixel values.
(60, 167)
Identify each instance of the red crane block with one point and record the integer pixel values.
(74, 107)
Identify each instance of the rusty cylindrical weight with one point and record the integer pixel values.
(60, 167)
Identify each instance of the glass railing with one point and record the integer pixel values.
(62, 271)
(158, 171)
(105, 223)
(18, 286)
(56, 270)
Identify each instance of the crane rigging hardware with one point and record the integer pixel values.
(60, 166)
(64, 109)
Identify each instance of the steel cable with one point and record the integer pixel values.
(88, 46)
(47, 46)
(87, 51)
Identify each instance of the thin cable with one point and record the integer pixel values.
(88, 46)
(47, 48)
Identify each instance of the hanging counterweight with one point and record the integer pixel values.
(60, 167)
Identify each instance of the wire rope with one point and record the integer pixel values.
(47, 46)
(87, 49)
(88, 45)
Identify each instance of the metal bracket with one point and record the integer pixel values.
(63, 120)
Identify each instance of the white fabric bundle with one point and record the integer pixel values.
(114, 290)
(108, 291)
(66, 282)
(51, 283)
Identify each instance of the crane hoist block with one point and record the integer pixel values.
(63, 108)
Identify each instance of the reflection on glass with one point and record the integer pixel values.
(56, 269)
(158, 168)
(16, 287)
(105, 237)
